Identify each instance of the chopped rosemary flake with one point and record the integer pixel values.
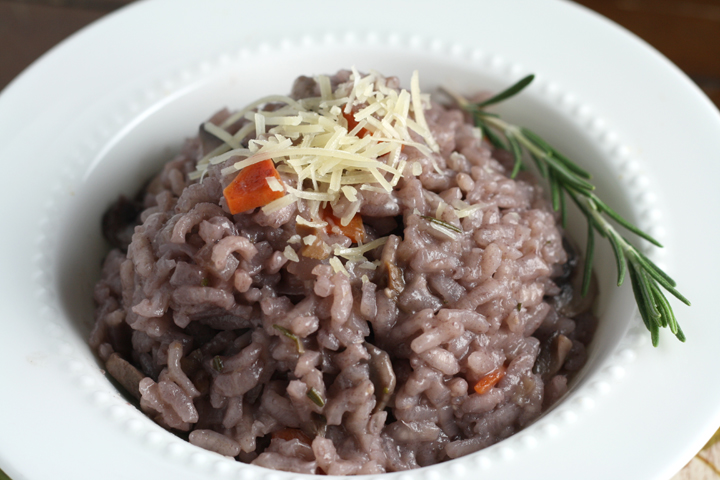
(567, 178)
(196, 355)
(217, 364)
(518, 307)
(314, 395)
(205, 282)
(441, 223)
(292, 337)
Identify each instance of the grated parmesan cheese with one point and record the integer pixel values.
(350, 193)
(302, 221)
(370, 188)
(419, 111)
(361, 249)
(260, 122)
(291, 254)
(440, 209)
(310, 144)
(467, 211)
(274, 184)
(281, 202)
(337, 266)
(368, 265)
(222, 134)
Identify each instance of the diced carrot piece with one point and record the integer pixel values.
(250, 189)
(288, 434)
(355, 230)
(490, 380)
(352, 123)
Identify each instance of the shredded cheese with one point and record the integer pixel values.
(291, 254)
(337, 266)
(260, 122)
(359, 250)
(440, 209)
(370, 188)
(302, 221)
(321, 158)
(350, 193)
(281, 202)
(467, 211)
(222, 134)
(274, 184)
(368, 265)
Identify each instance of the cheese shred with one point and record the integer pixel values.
(345, 141)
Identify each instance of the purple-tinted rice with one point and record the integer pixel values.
(208, 309)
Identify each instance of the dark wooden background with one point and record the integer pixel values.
(687, 32)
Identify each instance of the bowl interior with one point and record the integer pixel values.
(136, 148)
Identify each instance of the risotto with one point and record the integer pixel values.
(344, 280)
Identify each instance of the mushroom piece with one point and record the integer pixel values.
(119, 221)
(552, 356)
(569, 302)
(382, 376)
(396, 280)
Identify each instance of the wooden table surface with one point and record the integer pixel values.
(687, 32)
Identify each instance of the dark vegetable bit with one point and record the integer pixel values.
(192, 363)
(318, 250)
(119, 221)
(569, 302)
(126, 375)
(217, 364)
(315, 396)
(568, 277)
(320, 424)
(382, 375)
(562, 273)
(396, 280)
(552, 356)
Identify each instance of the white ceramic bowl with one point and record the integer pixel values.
(100, 113)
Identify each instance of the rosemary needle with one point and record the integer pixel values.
(565, 178)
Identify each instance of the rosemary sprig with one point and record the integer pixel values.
(217, 364)
(567, 178)
(441, 223)
(291, 336)
(315, 397)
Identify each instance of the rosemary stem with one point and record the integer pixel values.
(566, 177)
